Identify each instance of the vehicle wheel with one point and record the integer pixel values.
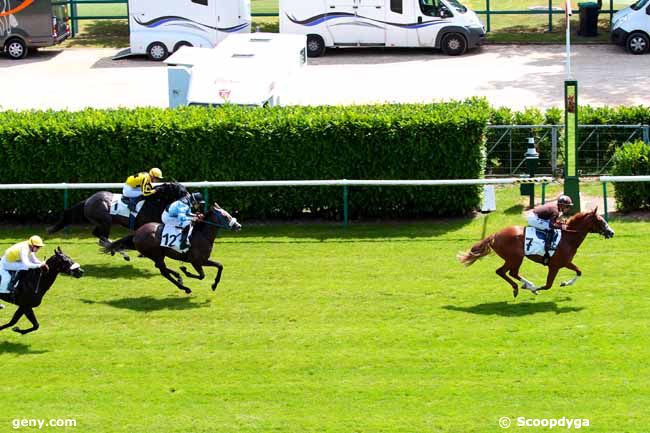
(637, 43)
(16, 49)
(315, 46)
(182, 44)
(157, 51)
(453, 44)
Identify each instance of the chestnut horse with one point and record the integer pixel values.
(509, 245)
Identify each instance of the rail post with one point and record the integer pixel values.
(605, 201)
(543, 192)
(206, 197)
(345, 206)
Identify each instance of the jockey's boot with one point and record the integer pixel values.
(547, 245)
(184, 234)
(132, 205)
(14, 280)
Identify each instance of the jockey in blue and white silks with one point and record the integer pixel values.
(179, 214)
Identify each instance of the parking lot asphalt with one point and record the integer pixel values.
(507, 75)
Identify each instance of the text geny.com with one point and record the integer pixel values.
(40, 423)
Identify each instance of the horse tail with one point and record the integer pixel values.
(72, 215)
(480, 249)
(126, 243)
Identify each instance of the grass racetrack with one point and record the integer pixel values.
(317, 328)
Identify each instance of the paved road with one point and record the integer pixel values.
(513, 76)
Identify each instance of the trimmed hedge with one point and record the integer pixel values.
(632, 159)
(438, 141)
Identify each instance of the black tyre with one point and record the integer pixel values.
(637, 43)
(16, 49)
(315, 46)
(454, 44)
(157, 51)
(182, 44)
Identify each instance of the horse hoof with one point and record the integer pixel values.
(17, 329)
(127, 258)
(515, 293)
(214, 287)
(1, 306)
(534, 292)
(188, 291)
(183, 268)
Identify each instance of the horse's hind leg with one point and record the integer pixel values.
(502, 272)
(574, 279)
(514, 273)
(168, 273)
(17, 315)
(29, 313)
(199, 269)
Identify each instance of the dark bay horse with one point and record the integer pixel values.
(148, 237)
(96, 210)
(509, 245)
(33, 286)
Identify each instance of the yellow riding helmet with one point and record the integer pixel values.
(36, 241)
(155, 172)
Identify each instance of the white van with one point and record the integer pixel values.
(246, 70)
(631, 27)
(160, 27)
(444, 24)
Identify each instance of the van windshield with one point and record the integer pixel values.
(462, 9)
(638, 5)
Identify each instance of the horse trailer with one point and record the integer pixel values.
(444, 24)
(31, 24)
(247, 70)
(158, 28)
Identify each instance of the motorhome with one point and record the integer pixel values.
(158, 28)
(245, 70)
(444, 24)
(31, 24)
(631, 27)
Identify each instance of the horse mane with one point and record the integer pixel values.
(576, 218)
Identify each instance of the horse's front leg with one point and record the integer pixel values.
(550, 277)
(574, 279)
(219, 267)
(29, 313)
(17, 315)
(199, 270)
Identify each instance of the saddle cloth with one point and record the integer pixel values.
(534, 241)
(121, 208)
(171, 237)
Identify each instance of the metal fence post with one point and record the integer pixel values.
(73, 17)
(554, 150)
(206, 197)
(65, 199)
(345, 205)
(605, 200)
(543, 192)
(550, 16)
(487, 16)
(646, 134)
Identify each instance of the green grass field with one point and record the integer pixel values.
(320, 328)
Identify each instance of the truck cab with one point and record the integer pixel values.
(631, 27)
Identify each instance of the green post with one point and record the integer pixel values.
(605, 200)
(345, 205)
(487, 16)
(73, 17)
(65, 199)
(550, 16)
(543, 192)
(206, 197)
(571, 178)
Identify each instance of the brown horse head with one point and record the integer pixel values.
(221, 218)
(590, 222)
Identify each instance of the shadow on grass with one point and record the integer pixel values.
(118, 270)
(148, 303)
(101, 33)
(19, 349)
(516, 209)
(507, 309)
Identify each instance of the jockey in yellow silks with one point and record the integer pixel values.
(20, 257)
(140, 185)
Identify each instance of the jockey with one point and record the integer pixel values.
(140, 184)
(179, 214)
(547, 217)
(20, 257)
